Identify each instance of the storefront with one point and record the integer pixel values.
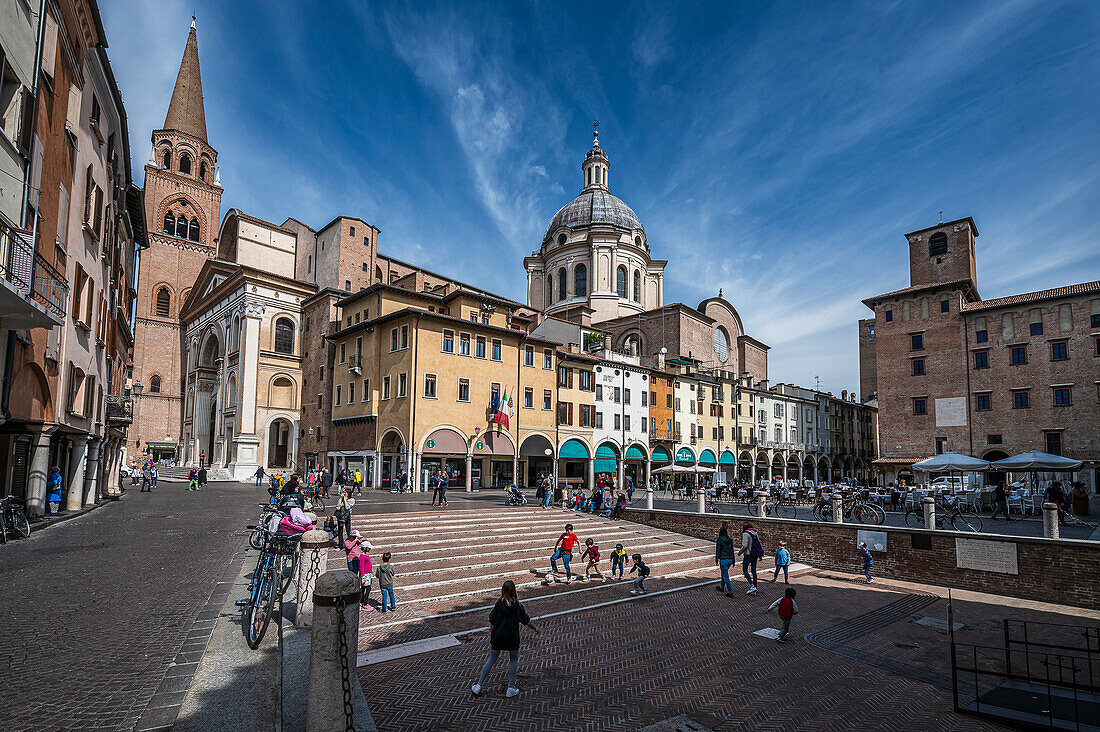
(607, 463)
(161, 452)
(350, 461)
(659, 459)
(727, 468)
(707, 459)
(536, 459)
(573, 464)
(444, 449)
(635, 469)
(391, 460)
(493, 460)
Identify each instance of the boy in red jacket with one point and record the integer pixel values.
(788, 608)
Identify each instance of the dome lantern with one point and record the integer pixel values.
(595, 164)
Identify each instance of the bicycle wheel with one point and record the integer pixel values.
(863, 514)
(785, 509)
(880, 513)
(256, 538)
(319, 503)
(966, 520)
(823, 512)
(259, 608)
(287, 567)
(21, 524)
(3, 529)
(914, 519)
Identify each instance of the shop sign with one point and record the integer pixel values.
(429, 444)
(479, 445)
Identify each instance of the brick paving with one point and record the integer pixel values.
(634, 661)
(106, 615)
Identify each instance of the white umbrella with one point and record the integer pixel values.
(951, 462)
(1037, 460)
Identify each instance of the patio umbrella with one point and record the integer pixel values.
(951, 462)
(1037, 460)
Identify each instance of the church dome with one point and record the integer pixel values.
(594, 206)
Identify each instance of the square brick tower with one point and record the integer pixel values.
(183, 196)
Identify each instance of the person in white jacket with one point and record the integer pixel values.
(750, 552)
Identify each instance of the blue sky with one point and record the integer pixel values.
(778, 151)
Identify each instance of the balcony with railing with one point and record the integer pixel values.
(668, 434)
(32, 293)
(120, 409)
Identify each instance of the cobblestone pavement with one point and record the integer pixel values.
(102, 611)
(608, 660)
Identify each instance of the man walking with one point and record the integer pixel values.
(326, 482)
(202, 477)
(260, 475)
(1000, 500)
(146, 478)
(358, 483)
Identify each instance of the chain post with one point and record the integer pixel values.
(345, 673)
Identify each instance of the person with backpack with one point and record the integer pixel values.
(643, 571)
(750, 551)
(725, 554)
(192, 479)
(504, 621)
(53, 491)
(343, 514)
(788, 608)
(540, 493)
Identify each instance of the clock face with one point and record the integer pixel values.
(721, 343)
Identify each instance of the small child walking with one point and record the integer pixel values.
(592, 554)
(788, 608)
(618, 561)
(867, 559)
(385, 575)
(643, 572)
(782, 562)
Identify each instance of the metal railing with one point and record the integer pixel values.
(664, 433)
(32, 275)
(120, 408)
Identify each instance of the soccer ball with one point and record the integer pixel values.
(549, 578)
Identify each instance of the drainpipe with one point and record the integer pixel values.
(34, 113)
(9, 361)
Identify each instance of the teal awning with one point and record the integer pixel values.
(573, 450)
(727, 458)
(707, 457)
(634, 453)
(660, 455)
(607, 459)
(684, 455)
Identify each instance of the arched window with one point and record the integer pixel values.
(580, 281)
(167, 159)
(193, 230)
(620, 281)
(202, 170)
(154, 384)
(181, 227)
(235, 334)
(937, 244)
(549, 289)
(563, 283)
(231, 391)
(169, 224)
(637, 286)
(284, 336)
(561, 239)
(185, 164)
(164, 302)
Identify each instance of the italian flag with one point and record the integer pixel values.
(503, 409)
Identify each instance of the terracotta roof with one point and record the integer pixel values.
(186, 112)
(944, 224)
(1083, 288)
(921, 288)
(897, 460)
(261, 222)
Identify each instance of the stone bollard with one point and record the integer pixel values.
(332, 657)
(761, 504)
(649, 498)
(1050, 520)
(929, 512)
(700, 500)
(838, 508)
(312, 563)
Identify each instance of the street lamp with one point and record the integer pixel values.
(137, 387)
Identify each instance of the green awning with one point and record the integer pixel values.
(573, 450)
(707, 457)
(727, 458)
(634, 453)
(607, 460)
(684, 455)
(660, 455)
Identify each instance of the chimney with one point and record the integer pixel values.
(844, 395)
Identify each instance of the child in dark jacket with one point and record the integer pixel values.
(618, 561)
(867, 559)
(504, 621)
(643, 572)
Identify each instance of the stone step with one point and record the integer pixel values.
(213, 475)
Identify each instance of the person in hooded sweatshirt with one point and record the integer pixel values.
(725, 554)
(504, 621)
(750, 551)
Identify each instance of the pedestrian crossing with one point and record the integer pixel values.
(451, 564)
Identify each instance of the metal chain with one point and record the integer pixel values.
(314, 570)
(345, 674)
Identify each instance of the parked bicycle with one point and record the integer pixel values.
(13, 521)
(785, 505)
(274, 569)
(948, 512)
(854, 508)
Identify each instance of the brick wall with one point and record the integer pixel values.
(1062, 571)
(868, 366)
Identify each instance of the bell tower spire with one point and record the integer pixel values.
(595, 165)
(186, 112)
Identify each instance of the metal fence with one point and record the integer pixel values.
(32, 275)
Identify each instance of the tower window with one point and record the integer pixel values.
(580, 281)
(154, 384)
(637, 286)
(167, 160)
(193, 230)
(620, 281)
(561, 239)
(169, 224)
(937, 244)
(164, 302)
(181, 227)
(284, 336)
(185, 164)
(563, 284)
(202, 170)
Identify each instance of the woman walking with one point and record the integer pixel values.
(504, 622)
(343, 514)
(725, 554)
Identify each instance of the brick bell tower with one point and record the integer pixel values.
(183, 196)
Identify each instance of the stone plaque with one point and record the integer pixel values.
(951, 412)
(875, 540)
(987, 556)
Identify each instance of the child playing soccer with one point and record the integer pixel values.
(592, 554)
(643, 572)
(618, 561)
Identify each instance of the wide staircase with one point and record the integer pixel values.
(214, 475)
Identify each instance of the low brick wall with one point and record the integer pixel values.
(1063, 571)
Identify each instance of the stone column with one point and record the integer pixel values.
(91, 472)
(700, 500)
(622, 471)
(74, 496)
(36, 480)
(1050, 520)
(591, 473)
(761, 504)
(929, 512)
(328, 655)
(469, 473)
(312, 563)
(648, 496)
(838, 507)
